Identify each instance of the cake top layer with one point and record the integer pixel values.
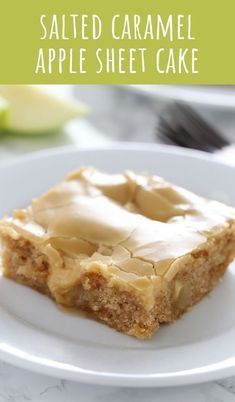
(136, 223)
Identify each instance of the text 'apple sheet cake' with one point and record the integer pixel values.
(131, 248)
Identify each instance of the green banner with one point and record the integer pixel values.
(125, 41)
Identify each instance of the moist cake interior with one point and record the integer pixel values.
(132, 248)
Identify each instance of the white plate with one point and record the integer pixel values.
(36, 335)
(222, 96)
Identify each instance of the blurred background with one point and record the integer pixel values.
(201, 117)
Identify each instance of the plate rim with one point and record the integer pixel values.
(185, 377)
(186, 93)
(115, 146)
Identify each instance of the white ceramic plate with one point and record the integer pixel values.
(36, 335)
(222, 96)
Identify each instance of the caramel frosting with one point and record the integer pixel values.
(136, 226)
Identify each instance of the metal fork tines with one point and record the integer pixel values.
(181, 125)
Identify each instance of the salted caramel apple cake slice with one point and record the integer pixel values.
(132, 249)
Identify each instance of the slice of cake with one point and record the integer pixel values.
(133, 249)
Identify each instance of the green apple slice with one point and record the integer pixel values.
(4, 107)
(35, 110)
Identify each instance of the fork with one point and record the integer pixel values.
(181, 125)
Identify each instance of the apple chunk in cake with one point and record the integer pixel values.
(132, 249)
